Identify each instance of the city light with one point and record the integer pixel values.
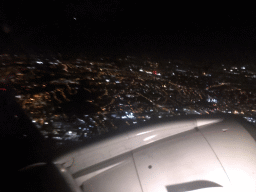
(39, 62)
(126, 95)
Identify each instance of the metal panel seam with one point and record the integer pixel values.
(137, 172)
(213, 152)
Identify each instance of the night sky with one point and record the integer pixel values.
(117, 27)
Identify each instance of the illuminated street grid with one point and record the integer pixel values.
(79, 99)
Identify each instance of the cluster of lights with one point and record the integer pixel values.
(212, 100)
(131, 115)
(128, 115)
(250, 119)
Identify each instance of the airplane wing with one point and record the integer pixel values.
(200, 154)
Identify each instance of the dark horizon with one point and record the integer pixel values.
(117, 28)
